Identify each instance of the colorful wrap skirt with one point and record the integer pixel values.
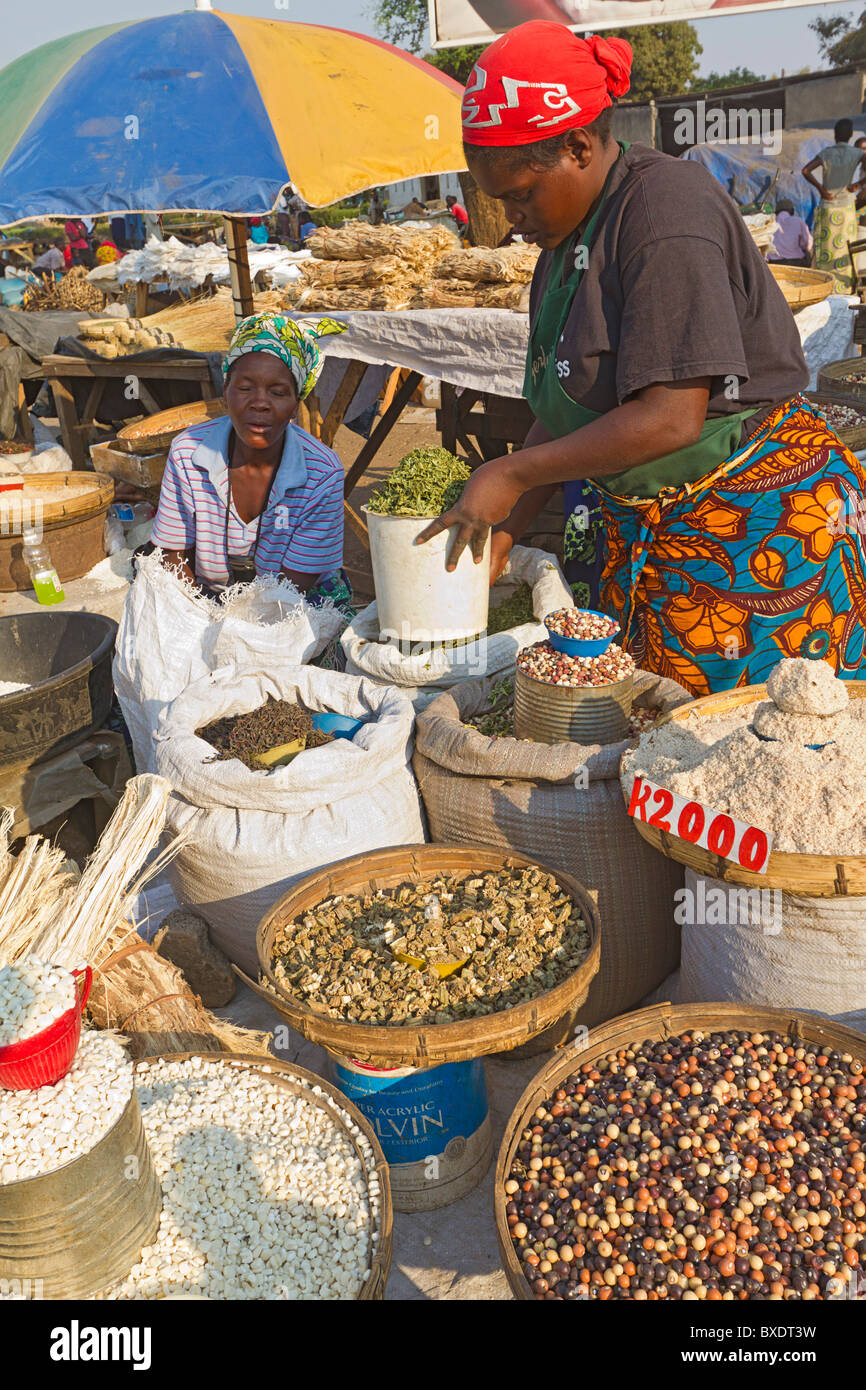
(715, 581)
(836, 224)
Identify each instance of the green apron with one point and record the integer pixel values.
(560, 415)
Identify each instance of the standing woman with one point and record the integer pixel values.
(836, 216)
(664, 367)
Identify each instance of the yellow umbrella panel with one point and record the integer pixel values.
(347, 111)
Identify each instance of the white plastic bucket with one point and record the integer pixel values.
(418, 600)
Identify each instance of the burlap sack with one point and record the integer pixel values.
(528, 797)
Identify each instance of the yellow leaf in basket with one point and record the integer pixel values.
(419, 963)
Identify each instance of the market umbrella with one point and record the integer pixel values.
(211, 112)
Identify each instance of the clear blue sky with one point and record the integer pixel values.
(765, 42)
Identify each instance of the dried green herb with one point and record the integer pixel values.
(276, 722)
(515, 610)
(425, 483)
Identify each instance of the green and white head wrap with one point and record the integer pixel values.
(295, 344)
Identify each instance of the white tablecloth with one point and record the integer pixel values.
(482, 349)
(485, 349)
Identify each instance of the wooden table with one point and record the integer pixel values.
(20, 251)
(60, 372)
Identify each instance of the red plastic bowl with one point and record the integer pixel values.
(44, 1059)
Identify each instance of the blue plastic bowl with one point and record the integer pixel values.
(340, 725)
(579, 646)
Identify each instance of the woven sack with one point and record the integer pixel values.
(254, 834)
(522, 796)
(423, 674)
(783, 950)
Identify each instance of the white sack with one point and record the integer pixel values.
(784, 950)
(170, 635)
(425, 675)
(256, 833)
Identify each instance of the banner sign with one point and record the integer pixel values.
(455, 22)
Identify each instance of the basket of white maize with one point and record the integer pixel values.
(274, 1185)
(79, 1197)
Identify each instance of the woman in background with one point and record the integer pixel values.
(251, 493)
(836, 216)
(792, 243)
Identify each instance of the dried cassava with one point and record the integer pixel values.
(518, 931)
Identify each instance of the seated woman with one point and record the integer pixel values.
(252, 493)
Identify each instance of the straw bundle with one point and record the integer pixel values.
(207, 324)
(48, 911)
(460, 294)
(503, 297)
(386, 297)
(508, 265)
(441, 294)
(357, 241)
(379, 271)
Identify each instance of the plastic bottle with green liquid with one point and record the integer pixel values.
(37, 558)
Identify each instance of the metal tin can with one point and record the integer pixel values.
(76, 1230)
(433, 1125)
(587, 714)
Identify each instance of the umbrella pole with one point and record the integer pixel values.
(239, 266)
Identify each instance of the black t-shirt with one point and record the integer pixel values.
(675, 288)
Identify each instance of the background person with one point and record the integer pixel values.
(836, 215)
(79, 246)
(792, 241)
(52, 261)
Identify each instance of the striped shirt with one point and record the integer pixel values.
(302, 527)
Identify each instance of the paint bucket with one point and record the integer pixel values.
(586, 714)
(433, 1125)
(417, 599)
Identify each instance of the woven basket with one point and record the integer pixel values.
(812, 875)
(847, 377)
(293, 1078)
(425, 1044)
(801, 287)
(854, 437)
(155, 432)
(660, 1021)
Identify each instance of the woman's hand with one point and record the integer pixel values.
(488, 498)
(501, 544)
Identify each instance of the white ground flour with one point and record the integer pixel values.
(800, 686)
(13, 687)
(812, 802)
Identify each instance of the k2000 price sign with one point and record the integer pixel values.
(743, 844)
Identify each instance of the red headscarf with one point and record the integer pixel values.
(539, 79)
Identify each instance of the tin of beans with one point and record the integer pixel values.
(542, 662)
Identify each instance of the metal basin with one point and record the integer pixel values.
(65, 658)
